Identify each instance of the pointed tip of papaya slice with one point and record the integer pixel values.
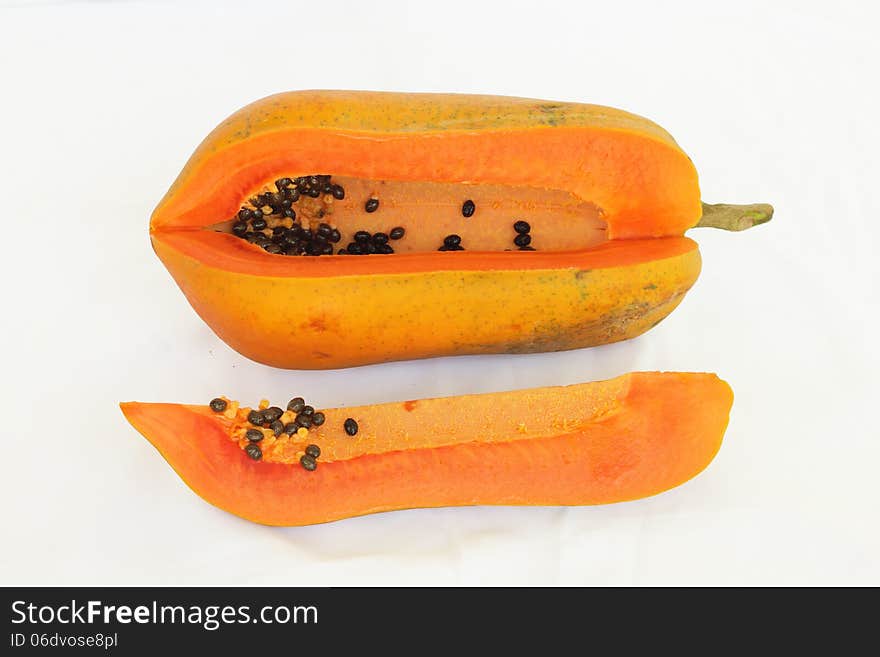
(196, 445)
(658, 431)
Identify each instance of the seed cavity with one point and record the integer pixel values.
(292, 220)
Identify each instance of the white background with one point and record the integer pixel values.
(100, 105)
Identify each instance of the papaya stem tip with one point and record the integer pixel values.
(734, 217)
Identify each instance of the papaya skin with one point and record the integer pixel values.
(605, 442)
(380, 308)
(612, 293)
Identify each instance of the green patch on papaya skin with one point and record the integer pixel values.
(631, 320)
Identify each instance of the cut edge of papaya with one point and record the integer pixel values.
(226, 252)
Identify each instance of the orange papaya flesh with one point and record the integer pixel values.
(593, 443)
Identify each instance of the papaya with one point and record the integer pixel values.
(584, 444)
(489, 225)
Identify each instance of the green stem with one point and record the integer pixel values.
(735, 217)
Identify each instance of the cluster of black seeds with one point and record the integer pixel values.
(269, 418)
(251, 223)
(366, 244)
(306, 416)
(312, 186)
(297, 240)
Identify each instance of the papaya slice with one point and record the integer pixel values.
(583, 444)
(490, 225)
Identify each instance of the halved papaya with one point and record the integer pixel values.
(490, 225)
(591, 443)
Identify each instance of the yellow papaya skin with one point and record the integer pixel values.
(423, 314)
